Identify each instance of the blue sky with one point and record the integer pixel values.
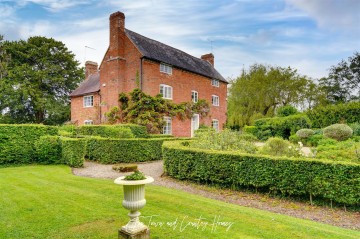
(308, 35)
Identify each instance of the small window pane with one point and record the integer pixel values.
(88, 101)
(215, 100)
(166, 91)
(88, 122)
(165, 69)
(194, 96)
(215, 124)
(215, 82)
(167, 129)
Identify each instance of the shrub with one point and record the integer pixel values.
(48, 149)
(336, 181)
(332, 114)
(105, 150)
(356, 128)
(17, 142)
(247, 137)
(106, 131)
(73, 151)
(225, 140)
(249, 129)
(125, 167)
(280, 147)
(339, 132)
(280, 126)
(304, 133)
(348, 150)
(313, 141)
(286, 110)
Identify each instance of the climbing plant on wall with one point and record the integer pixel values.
(143, 109)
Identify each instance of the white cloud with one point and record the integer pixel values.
(333, 14)
(53, 5)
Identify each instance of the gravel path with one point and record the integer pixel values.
(336, 217)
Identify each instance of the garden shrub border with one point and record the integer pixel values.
(335, 181)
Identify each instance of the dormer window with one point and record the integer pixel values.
(215, 82)
(165, 69)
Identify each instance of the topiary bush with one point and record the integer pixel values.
(338, 132)
(304, 133)
(49, 150)
(286, 110)
(249, 129)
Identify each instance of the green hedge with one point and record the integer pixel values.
(49, 150)
(332, 114)
(17, 142)
(280, 126)
(73, 151)
(249, 129)
(106, 150)
(337, 181)
(106, 131)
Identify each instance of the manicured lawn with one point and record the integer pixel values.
(50, 202)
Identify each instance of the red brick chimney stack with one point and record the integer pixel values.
(117, 35)
(208, 57)
(90, 68)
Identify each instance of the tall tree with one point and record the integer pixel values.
(343, 82)
(40, 75)
(258, 92)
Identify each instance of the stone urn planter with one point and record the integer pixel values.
(134, 200)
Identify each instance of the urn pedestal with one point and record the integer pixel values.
(134, 200)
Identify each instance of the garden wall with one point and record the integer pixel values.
(336, 181)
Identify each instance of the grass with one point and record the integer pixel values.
(50, 202)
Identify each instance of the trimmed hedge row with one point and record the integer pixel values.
(337, 181)
(61, 150)
(106, 131)
(280, 126)
(73, 151)
(106, 150)
(332, 114)
(17, 142)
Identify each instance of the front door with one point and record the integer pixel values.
(194, 124)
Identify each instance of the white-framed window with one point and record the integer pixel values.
(194, 96)
(166, 91)
(215, 124)
(167, 129)
(215, 100)
(165, 69)
(88, 122)
(88, 101)
(215, 82)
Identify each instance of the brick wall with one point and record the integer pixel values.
(79, 113)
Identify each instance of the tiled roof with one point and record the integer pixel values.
(158, 51)
(91, 85)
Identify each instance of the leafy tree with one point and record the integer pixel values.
(343, 82)
(40, 75)
(142, 109)
(4, 58)
(259, 91)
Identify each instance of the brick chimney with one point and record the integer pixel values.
(90, 68)
(208, 57)
(117, 35)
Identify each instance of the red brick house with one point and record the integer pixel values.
(134, 61)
